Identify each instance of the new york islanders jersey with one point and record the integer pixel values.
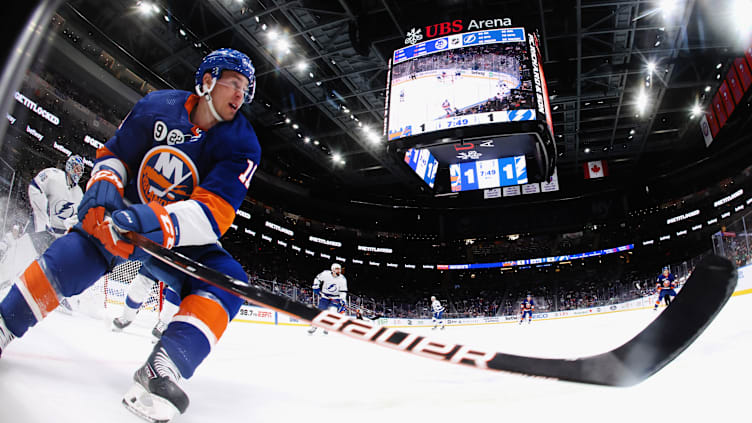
(53, 201)
(527, 305)
(331, 286)
(666, 282)
(200, 177)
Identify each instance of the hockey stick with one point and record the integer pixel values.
(703, 296)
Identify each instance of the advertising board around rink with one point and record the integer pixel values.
(254, 314)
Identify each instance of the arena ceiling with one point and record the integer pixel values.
(318, 90)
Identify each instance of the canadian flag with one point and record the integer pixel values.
(595, 169)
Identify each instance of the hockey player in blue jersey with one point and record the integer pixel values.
(526, 309)
(438, 313)
(176, 171)
(665, 287)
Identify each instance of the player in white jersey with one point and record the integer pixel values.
(138, 293)
(54, 195)
(438, 312)
(331, 287)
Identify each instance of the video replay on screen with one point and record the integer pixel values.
(461, 80)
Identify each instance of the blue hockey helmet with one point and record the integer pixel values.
(227, 59)
(74, 167)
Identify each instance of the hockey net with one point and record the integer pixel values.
(109, 292)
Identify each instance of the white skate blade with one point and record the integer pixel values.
(148, 406)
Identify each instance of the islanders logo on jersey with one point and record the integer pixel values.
(166, 175)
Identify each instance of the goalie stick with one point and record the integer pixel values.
(702, 297)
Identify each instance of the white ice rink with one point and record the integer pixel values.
(73, 369)
(423, 97)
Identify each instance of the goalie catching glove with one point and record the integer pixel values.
(150, 220)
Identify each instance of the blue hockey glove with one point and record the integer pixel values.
(341, 307)
(150, 220)
(105, 189)
(316, 291)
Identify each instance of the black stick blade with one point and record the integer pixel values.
(702, 297)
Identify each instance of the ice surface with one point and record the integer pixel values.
(72, 368)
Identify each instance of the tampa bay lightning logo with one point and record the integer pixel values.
(331, 287)
(469, 39)
(63, 209)
(166, 175)
(518, 115)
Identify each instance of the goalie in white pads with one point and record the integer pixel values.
(438, 312)
(331, 287)
(54, 195)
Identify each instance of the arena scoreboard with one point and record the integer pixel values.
(478, 103)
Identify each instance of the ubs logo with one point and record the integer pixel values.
(166, 175)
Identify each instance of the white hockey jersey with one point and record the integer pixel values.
(53, 201)
(331, 286)
(436, 306)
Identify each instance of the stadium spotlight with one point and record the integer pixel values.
(707, 88)
(316, 142)
(302, 65)
(696, 111)
(283, 45)
(668, 7)
(182, 32)
(272, 35)
(295, 126)
(287, 120)
(741, 10)
(336, 157)
(587, 150)
(651, 67)
(642, 101)
(166, 18)
(147, 8)
(373, 137)
(307, 139)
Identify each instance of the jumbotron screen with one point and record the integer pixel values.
(460, 80)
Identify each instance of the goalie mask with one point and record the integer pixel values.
(74, 168)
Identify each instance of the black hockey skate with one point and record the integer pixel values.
(119, 324)
(155, 396)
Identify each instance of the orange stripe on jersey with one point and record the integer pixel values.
(190, 104)
(221, 210)
(207, 311)
(165, 222)
(42, 292)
